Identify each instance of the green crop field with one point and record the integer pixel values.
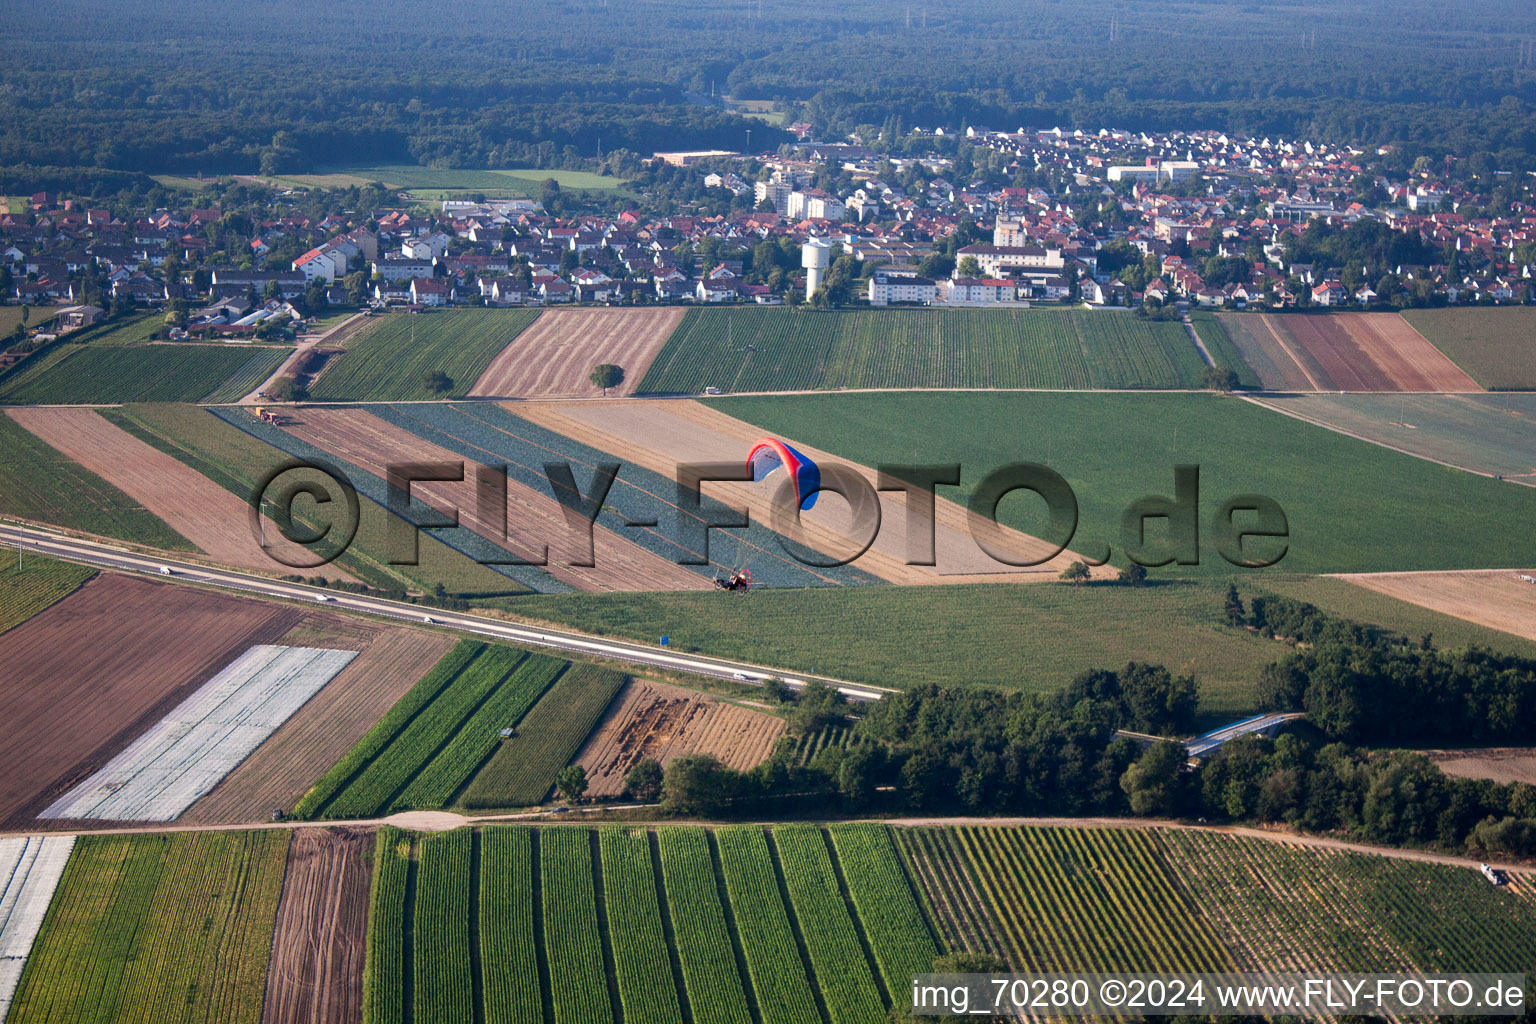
(389, 927)
(1351, 506)
(573, 941)
(509, 929)
(522, 769)
(1492, 344)
(39, 483)
(1034, 637)
(1032, 884)
(392, 358)
(711, 977)
(441, 182)
(783, 349)
(647, 990)
(1275, 903)
(442, 977)
(778, 972)
(831, 940)
(436, 736)
(1214, 336)
(39, 584)
(1486, 433)
(239, 462)
(168, 928)
(106, 373)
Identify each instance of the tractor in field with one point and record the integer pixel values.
(271, 416)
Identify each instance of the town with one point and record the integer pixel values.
(1116, 219)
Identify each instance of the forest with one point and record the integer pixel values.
(183, 87)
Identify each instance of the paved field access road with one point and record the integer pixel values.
(108, 557)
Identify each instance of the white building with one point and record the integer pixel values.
(885, 289)
(1133, 172)
(814, 203)
(979, 290)
(815, 257)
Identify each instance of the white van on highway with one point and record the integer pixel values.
(165, 570)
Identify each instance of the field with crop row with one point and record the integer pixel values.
(391, 359)
(1350, 506)
(433, 741)
(725, 926)
(186, 753)
(99, 374)
(783, 349)
(1219, 344)
(1492, 344)
(38, 584)
(493, 435)
(522, 770)
(238, 461)
(169, 928)
(39, 483)
(30, 869)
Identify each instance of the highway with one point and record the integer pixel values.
(1268, 725)
(105, 556)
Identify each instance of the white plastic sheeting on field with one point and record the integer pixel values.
(186, 753)
(29, 872)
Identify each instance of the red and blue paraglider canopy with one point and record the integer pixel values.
(769, 453)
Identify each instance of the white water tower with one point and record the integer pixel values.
(815, 257)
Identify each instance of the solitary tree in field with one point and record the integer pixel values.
(1133, 575)
(606, 375)
(1220, 378)
(572, 782)
(439, 383)
(1075, 573)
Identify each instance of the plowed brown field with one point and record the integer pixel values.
(664, 722)
(81, 680)
(371, 444)
(554, 357)
(1344, 352)
(659, 435)
(1493, 598)
(316, 974)
(330, 723)
(197, 508)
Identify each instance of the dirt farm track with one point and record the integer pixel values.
(554, 357)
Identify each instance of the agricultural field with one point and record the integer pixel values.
(435, 738)
(1499, 600)
(213, 519)
(1342, 352)
(1034, 638)
(1190, 900)
(30, 869)
(281, 770)
(322, 925)
(105, 373)
(1219, 344)
(1283, 907)
(1338, 596)
(431, 182)
(1492, 344)
(185, 754)
(554, 358)
(521, 771)
(238, 461)
(812, 743)
(111, 659)
(36, 586)
(392, 358)
(491, 434)
(1491, 434)
(1351, 506)
(1502, 765)
(783, 349)
(534, 518)
(647, 990)
(186, 909)
(39, 483)
(658, 436)
(713, 982)
(663, 722)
